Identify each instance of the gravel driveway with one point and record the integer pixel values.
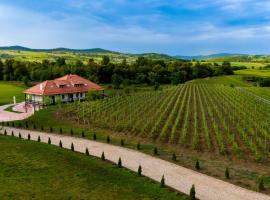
(177, 177)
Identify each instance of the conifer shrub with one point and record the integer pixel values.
(72, 147)
(138, 146)
(227, 173)
(49, 140)
(162, 182)
(87, 151)
(119, 164)
(140, 170)
(28, 137)
(60, 144)
(174, 158)
(108, 139)
(197, 165)
(38, 139)
(103, 156)
(122, 143)
(192, 193)
(155, 151)
(261, 184)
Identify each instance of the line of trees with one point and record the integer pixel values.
(143, 70)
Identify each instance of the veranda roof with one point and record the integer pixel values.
(63, 85)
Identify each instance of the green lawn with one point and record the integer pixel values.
(40, 171)
(10, 89)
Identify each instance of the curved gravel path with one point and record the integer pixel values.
(177, 177)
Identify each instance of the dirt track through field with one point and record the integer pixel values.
(177, 177)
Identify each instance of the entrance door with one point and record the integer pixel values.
(70, 97)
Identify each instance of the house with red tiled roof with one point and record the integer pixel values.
(68, 88)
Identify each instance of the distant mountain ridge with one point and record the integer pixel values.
(60, 49)
(211, 56)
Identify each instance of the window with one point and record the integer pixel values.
(77, 95)
(63, 96)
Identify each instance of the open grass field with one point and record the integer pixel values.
(235, 80)
(253, 72)
(10, 89)
(40, 171)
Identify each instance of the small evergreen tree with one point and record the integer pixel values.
(108, 139)
(122, 143)
(49, 140)
(174, 158)
(162, 182)
(155, 151)
(83, 134)
(38, 139)
(20, 136)
(72, 147)
(5, 132)
(261, 184)
(87, 152)
(197, 166)
(71, 132)
(140, 170)
(60, 144)
(60, 130)
(138, 146)
(192, 193)
(12, 133)
(103, 156)
(94, 136)
(227, 173)
(28, 137)
(51, 129)
(119, 163)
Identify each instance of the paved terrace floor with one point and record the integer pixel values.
(177, 177)
(6, 116)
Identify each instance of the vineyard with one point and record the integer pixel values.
(203, 117)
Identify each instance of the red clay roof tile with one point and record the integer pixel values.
(63, 85)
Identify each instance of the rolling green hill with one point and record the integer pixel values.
(28, 54)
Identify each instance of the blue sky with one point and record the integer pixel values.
(175, 27)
